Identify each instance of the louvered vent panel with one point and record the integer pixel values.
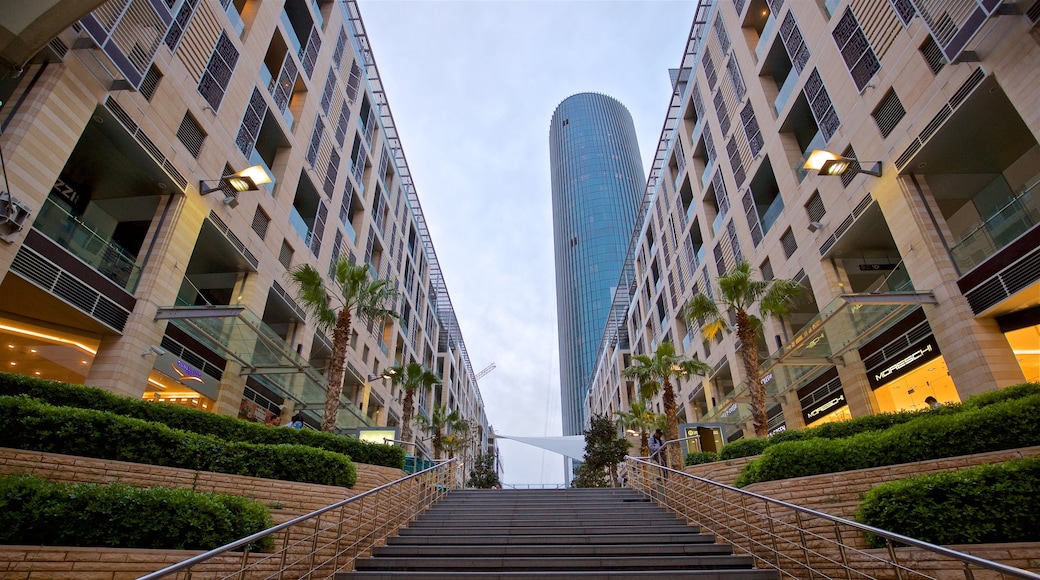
(150, 83)
(191, 135)
(174, 174)
(967, 87)
(933, 55)
(880, 24)
(199, 40)
(904, 158)
(815, 208)
(261, 223)
(936, 122)
(888, 113)
(40, 271)
(1033, 13)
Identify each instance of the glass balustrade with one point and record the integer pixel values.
(256, 159)
(786, 90)
(290, 33)
(1004, 225)
(297, 222)
(818, 142)
(236, 19)
(763, 39)
(84, 240)
(774, 211)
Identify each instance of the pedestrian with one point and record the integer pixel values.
(657, 446)
(297, 420)
(932, 402)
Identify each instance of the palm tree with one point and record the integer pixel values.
(440, 421)
(356, 295)
(410, 378)
(640, 418)
(655, 375)
(737, 294)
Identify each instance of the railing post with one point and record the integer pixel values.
(968, 573)
(245, 563)
(314, 545)
(805, 548)
(339, 539)
(841, 546)
(895, 560)
(772, 536)
(747, 527)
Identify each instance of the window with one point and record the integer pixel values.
(820, 102)
(905, 9)
(794, 43)
(767, 270)
(788, 242)
(253, 118)
(285, 256)
(260, 222)
(855, 49)
(191, 135)
(218, 72)
(888, 113)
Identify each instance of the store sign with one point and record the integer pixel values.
(823, 407)
(187, 375)
(903, 362)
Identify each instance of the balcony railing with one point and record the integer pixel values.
(256, 159)
(1008, 222)
(786, 90)
(763, 39)
(236, 19)
(82, 240)
(297, 222)
(290, 33)
(818, 142)
(773, 212)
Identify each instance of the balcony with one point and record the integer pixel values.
(300, 225)
(82, 239)
(236, 19)
(1007, 223)
(772, 213)
(763, 39)
(256, 159)
(786, 90)
(290, 33)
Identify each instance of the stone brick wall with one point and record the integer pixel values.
(289, 495)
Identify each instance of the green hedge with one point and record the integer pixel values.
(877, 422)
(699, 457)
(982, 505)
(196, 420)
(30, 424)
(1005, 425)
(36, 512)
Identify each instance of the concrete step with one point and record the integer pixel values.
(551, 551)
(546, 520)
(571, 575)
(442, 539)
(537, 563)
(507, 530)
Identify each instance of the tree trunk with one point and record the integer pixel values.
(334, 388)
(644, 444)
(672, 429)
(406, 418)
(749, 354)
(438, 443)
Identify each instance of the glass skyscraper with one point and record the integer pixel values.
(597, 184)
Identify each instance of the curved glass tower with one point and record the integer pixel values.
(597, 184)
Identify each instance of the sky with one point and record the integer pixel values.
(472, 85)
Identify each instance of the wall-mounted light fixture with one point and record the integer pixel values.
(827, 163)
(249, 179)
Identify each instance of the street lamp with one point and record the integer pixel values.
(827, 163)
(249, 179)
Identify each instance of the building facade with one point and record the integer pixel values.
(131, 263)
(597, 182)
(920, 266)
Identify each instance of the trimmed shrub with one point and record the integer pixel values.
(982, 505)
(1007, 425)
(30, 424)
(1005, 394)
(744, 448)
(36, 512)
(197, 420)
(699, 457)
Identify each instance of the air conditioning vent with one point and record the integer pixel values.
(1033, 14)
(1005, 283)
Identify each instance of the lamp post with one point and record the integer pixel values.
(249, 179)
(827, 163)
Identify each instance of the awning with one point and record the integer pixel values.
(572, 446)
(240, 336)
(846, 324)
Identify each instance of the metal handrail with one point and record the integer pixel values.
(759, 532)
(438, 479)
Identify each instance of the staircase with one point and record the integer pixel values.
(571, 533)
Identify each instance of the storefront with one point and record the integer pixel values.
(823, 400)
(45, 352)
(905, 367)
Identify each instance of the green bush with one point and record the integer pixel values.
(699, 457)
(1006, 394)
(1006, 425)
(30, 424)
(744, 448)
(196, 420)
(36, 512)
(982, 505)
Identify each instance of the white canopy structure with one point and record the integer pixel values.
(572, 446)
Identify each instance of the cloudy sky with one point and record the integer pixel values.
(472, 86)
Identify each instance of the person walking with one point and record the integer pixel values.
(657, 447)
